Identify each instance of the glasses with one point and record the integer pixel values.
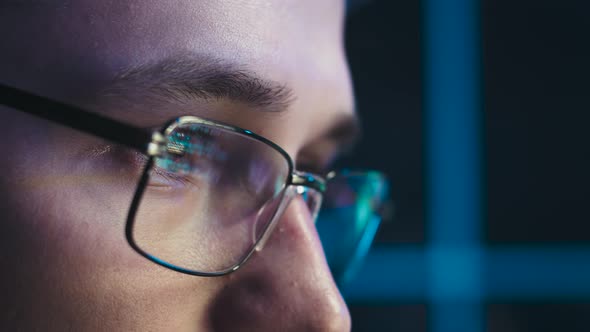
(211, 193)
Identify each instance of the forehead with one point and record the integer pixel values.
(286, 40)
(68, 49)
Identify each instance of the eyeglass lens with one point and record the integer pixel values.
(209, 198)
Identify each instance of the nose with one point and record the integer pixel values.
(287, 286)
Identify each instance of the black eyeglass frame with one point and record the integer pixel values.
(152, 144)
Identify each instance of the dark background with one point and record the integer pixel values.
(536, 104)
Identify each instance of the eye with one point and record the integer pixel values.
(181, 171)
(320, 157)
(314, 167)
(190, 160)
(161, 177)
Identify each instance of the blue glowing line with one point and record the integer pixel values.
(536, 273)
(451, 100)
(390, 274)
(510, 273)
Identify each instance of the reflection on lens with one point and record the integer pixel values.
(209, 197)
(349, 219)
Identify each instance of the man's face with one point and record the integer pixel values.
(65, 194)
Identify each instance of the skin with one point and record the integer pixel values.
(65, 261)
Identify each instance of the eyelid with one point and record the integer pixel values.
(168, 176)
(309, 165)
(317, 159)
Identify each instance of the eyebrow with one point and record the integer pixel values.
(185, 78)
(195, 77)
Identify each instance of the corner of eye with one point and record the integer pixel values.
(309, 163)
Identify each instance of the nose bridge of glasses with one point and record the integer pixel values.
(308, 180)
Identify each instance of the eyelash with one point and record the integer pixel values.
(171, 176)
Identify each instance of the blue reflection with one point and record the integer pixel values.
(349, 220)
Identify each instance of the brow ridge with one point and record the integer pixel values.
(187, 77)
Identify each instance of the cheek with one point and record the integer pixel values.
(62, 210)
(62, 236)
(67, 209)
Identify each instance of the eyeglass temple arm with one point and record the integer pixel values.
(76, 118)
